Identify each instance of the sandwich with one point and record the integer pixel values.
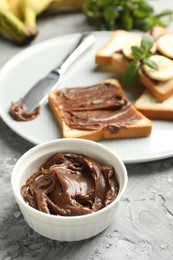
(99, 111)
(159, 83)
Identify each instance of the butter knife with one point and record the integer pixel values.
(38, 94)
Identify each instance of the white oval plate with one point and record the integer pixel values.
(21, 72)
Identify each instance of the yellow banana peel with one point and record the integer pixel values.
(31, 9)
(12, 27)
(18, 17)
(58, 4)
(16, 8)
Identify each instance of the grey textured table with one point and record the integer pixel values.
(143, 228)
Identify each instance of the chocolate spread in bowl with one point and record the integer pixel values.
(99, 106)
(70, 185)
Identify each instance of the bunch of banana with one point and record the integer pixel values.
(18, 17)
(12, 27)
(60, 4)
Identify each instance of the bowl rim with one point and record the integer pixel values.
(34, 211)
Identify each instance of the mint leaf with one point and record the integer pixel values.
(146, 43)
(126, 20)
(150, 64)
(131, 73)
(110, 15)
(165, 13)
(144, 10)
(141, 56)
(138, 53)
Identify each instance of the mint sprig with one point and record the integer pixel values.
(141, 56)
(124, 14)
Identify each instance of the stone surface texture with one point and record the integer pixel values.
(143, 227)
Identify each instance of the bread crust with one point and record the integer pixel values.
(161, 90)
(152, 108)
(140, 128)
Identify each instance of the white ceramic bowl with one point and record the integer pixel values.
(59, 227)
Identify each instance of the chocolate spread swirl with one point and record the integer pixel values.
(99, 106)
(19, 113)
(70, 185)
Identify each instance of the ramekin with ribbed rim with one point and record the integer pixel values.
(65, 228)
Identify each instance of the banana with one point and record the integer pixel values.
(165, 71)
(134, 40)
(72, 4)
(16, 8)
(12, 27)
(32, 8)
(38, 6)
(18, 17)
(165, 45)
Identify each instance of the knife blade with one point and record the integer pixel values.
(38, 94)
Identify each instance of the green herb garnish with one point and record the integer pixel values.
(141, 56)
(125, 14)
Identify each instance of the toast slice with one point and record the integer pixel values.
(114, 45)
(148, 105)
(100, 111)
(161, 90)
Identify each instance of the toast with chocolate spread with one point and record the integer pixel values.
(118, 56)
(96, 112)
